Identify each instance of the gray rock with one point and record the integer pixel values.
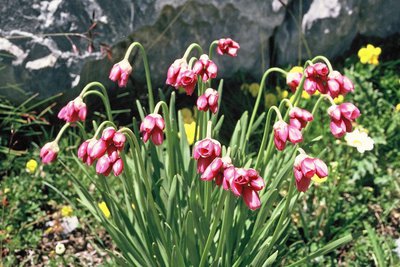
(329, 26)
(38, 61)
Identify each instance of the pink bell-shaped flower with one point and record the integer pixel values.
(120, 72)
(152, 127)
(49, 152)
(341, 118)
(208, 100)
(205, 68)
(299, 117)
(226, 46)
(305, 168)
(74, 111)
(205, 151)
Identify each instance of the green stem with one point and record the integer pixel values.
(190, 48)
(214, 226)
(316, 106)
(104, 97)
(168, 132)
(260, 92)
(105, 100)
(191, 62)
(211, 49)
(146, 69)
(265, 135)
(102, 125)
(62, 130)
(82, 129)
(327, 62)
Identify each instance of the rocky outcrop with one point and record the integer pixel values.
(36, 58)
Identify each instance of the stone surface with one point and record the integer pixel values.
(330, 26)
(36, 60)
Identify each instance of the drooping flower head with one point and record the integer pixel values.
(341, 118)
(205, 68)
(106, 150)
(316, 78)
(305, 168)
(284, 132)
(153, 126)
(293, 78)
(299, 117)
(74, 111)
(120, 72)
(245, 183)
(208, 100)
(49, 152)
(226, 46)
(339, 84)
(216, 171)
(205, 151)
(180, 76)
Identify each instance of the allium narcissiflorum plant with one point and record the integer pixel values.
(172, 204)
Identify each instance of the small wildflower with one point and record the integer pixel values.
(270, 100)
(187, 115)
(253, 89)
(31, 166)
(190, 130)
(305, 95)
(369, 54)
(60, 248)
(296, 69)
(104, 209)
(6, 190)
(359, 140)
(284, 94)
(66, 211)
(398, 107)
(339, 99)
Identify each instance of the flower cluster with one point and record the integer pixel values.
(319, 80)
(242, 182)
(106, 151)
(181, 76)
(74, 111)
(341, 117)
(299, 117)
(120, 72)
(305, 168)
(152, 127)
(208, 100)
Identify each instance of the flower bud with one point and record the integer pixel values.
(118, 167)
(227, 47)
(49, 152)
(99, 149)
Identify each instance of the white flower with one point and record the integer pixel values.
(60, 248)
(359, 140)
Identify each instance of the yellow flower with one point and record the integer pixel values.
(253, 89)
(369, 54)
(338, 99)
(398, 107)
(31, 166)
(305, 95)
(318, 180)
(187, 115)
(66, 211)
(244, 87)
(103, 207)
(190, 130)
(284, 94)
(270, 100)
(296, 69)
(6, 190)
